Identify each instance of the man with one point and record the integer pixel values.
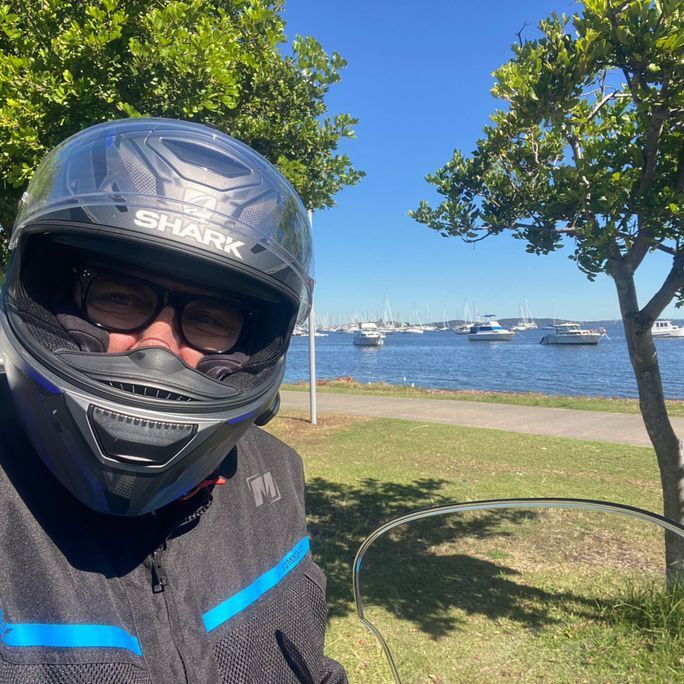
(149, 532)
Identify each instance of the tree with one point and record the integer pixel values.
(67, 64)
(590, 151)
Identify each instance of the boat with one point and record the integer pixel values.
(415, 328)
(526, 321)
(663, 328)
(464, 328)
(387, 325)
(368, 335)
(572, 333)
(489, 331)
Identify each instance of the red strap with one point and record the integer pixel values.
(218, 481)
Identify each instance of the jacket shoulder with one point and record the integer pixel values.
(256, 439)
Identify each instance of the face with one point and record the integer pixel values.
(164, 329)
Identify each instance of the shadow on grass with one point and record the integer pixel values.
(407, 573)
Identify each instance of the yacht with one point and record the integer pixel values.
(572, 333)
(368, 335)
(662, 328)
(526, 321)
(464, 328)
(489, 331)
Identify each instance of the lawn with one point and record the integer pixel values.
(517, 596)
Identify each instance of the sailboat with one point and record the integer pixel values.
(444, 325)
(416, 329)
(464, 328)
(526, 322)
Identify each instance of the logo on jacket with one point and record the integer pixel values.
(264, 488)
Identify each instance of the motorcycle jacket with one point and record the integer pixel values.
(219, 587)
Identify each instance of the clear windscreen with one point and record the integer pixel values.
(524, 594)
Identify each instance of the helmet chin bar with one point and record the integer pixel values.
(152, 372)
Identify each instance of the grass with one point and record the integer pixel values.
(350, 386)
(516, 596)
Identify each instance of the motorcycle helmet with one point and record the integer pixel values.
(130, 432)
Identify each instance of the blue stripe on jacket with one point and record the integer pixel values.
(243, 599)
(68, 636)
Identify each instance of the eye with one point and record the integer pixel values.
(211, 324)
(118, 298)
(204, 319)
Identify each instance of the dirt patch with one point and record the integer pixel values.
(294, 426)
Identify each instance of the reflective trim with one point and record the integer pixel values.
(43, 382)
(239, 419)
(69, 636)
(243, 599)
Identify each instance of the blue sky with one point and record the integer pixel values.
(419, 79)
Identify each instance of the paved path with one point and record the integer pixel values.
(621, 428)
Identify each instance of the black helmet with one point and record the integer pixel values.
(129, 432)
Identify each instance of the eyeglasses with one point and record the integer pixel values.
(123, 303)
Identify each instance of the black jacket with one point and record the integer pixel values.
(219, 588)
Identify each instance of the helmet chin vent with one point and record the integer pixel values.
(136, 440)
(145, 391)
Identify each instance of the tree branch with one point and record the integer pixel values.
(606, 99)
(519, 33)
(574, 145)
(673, 283)
(636, 253)
(660, 247)
(650, 151)
(679, 178)
(491, 230)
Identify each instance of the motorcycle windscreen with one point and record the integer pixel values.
(524, 591)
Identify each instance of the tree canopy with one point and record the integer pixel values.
(591, 144)
(68, 64)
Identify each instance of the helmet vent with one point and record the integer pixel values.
(145, 391)
(136, 440)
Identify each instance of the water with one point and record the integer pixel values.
(443, 360)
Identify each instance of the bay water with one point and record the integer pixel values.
(444, 360)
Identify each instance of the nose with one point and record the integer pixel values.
(161, 332)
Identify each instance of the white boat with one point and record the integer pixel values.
(526, 321)
(489, 331)
(662, 328)
(368, 335)
(572, 333)
(464, 328)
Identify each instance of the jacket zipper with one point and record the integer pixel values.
(159, 580)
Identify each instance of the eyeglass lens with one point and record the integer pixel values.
(124, 305)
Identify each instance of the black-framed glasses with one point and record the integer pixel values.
(118, 302)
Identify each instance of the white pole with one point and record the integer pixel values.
(312, 353)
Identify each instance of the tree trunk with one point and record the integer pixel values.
(667, 445)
